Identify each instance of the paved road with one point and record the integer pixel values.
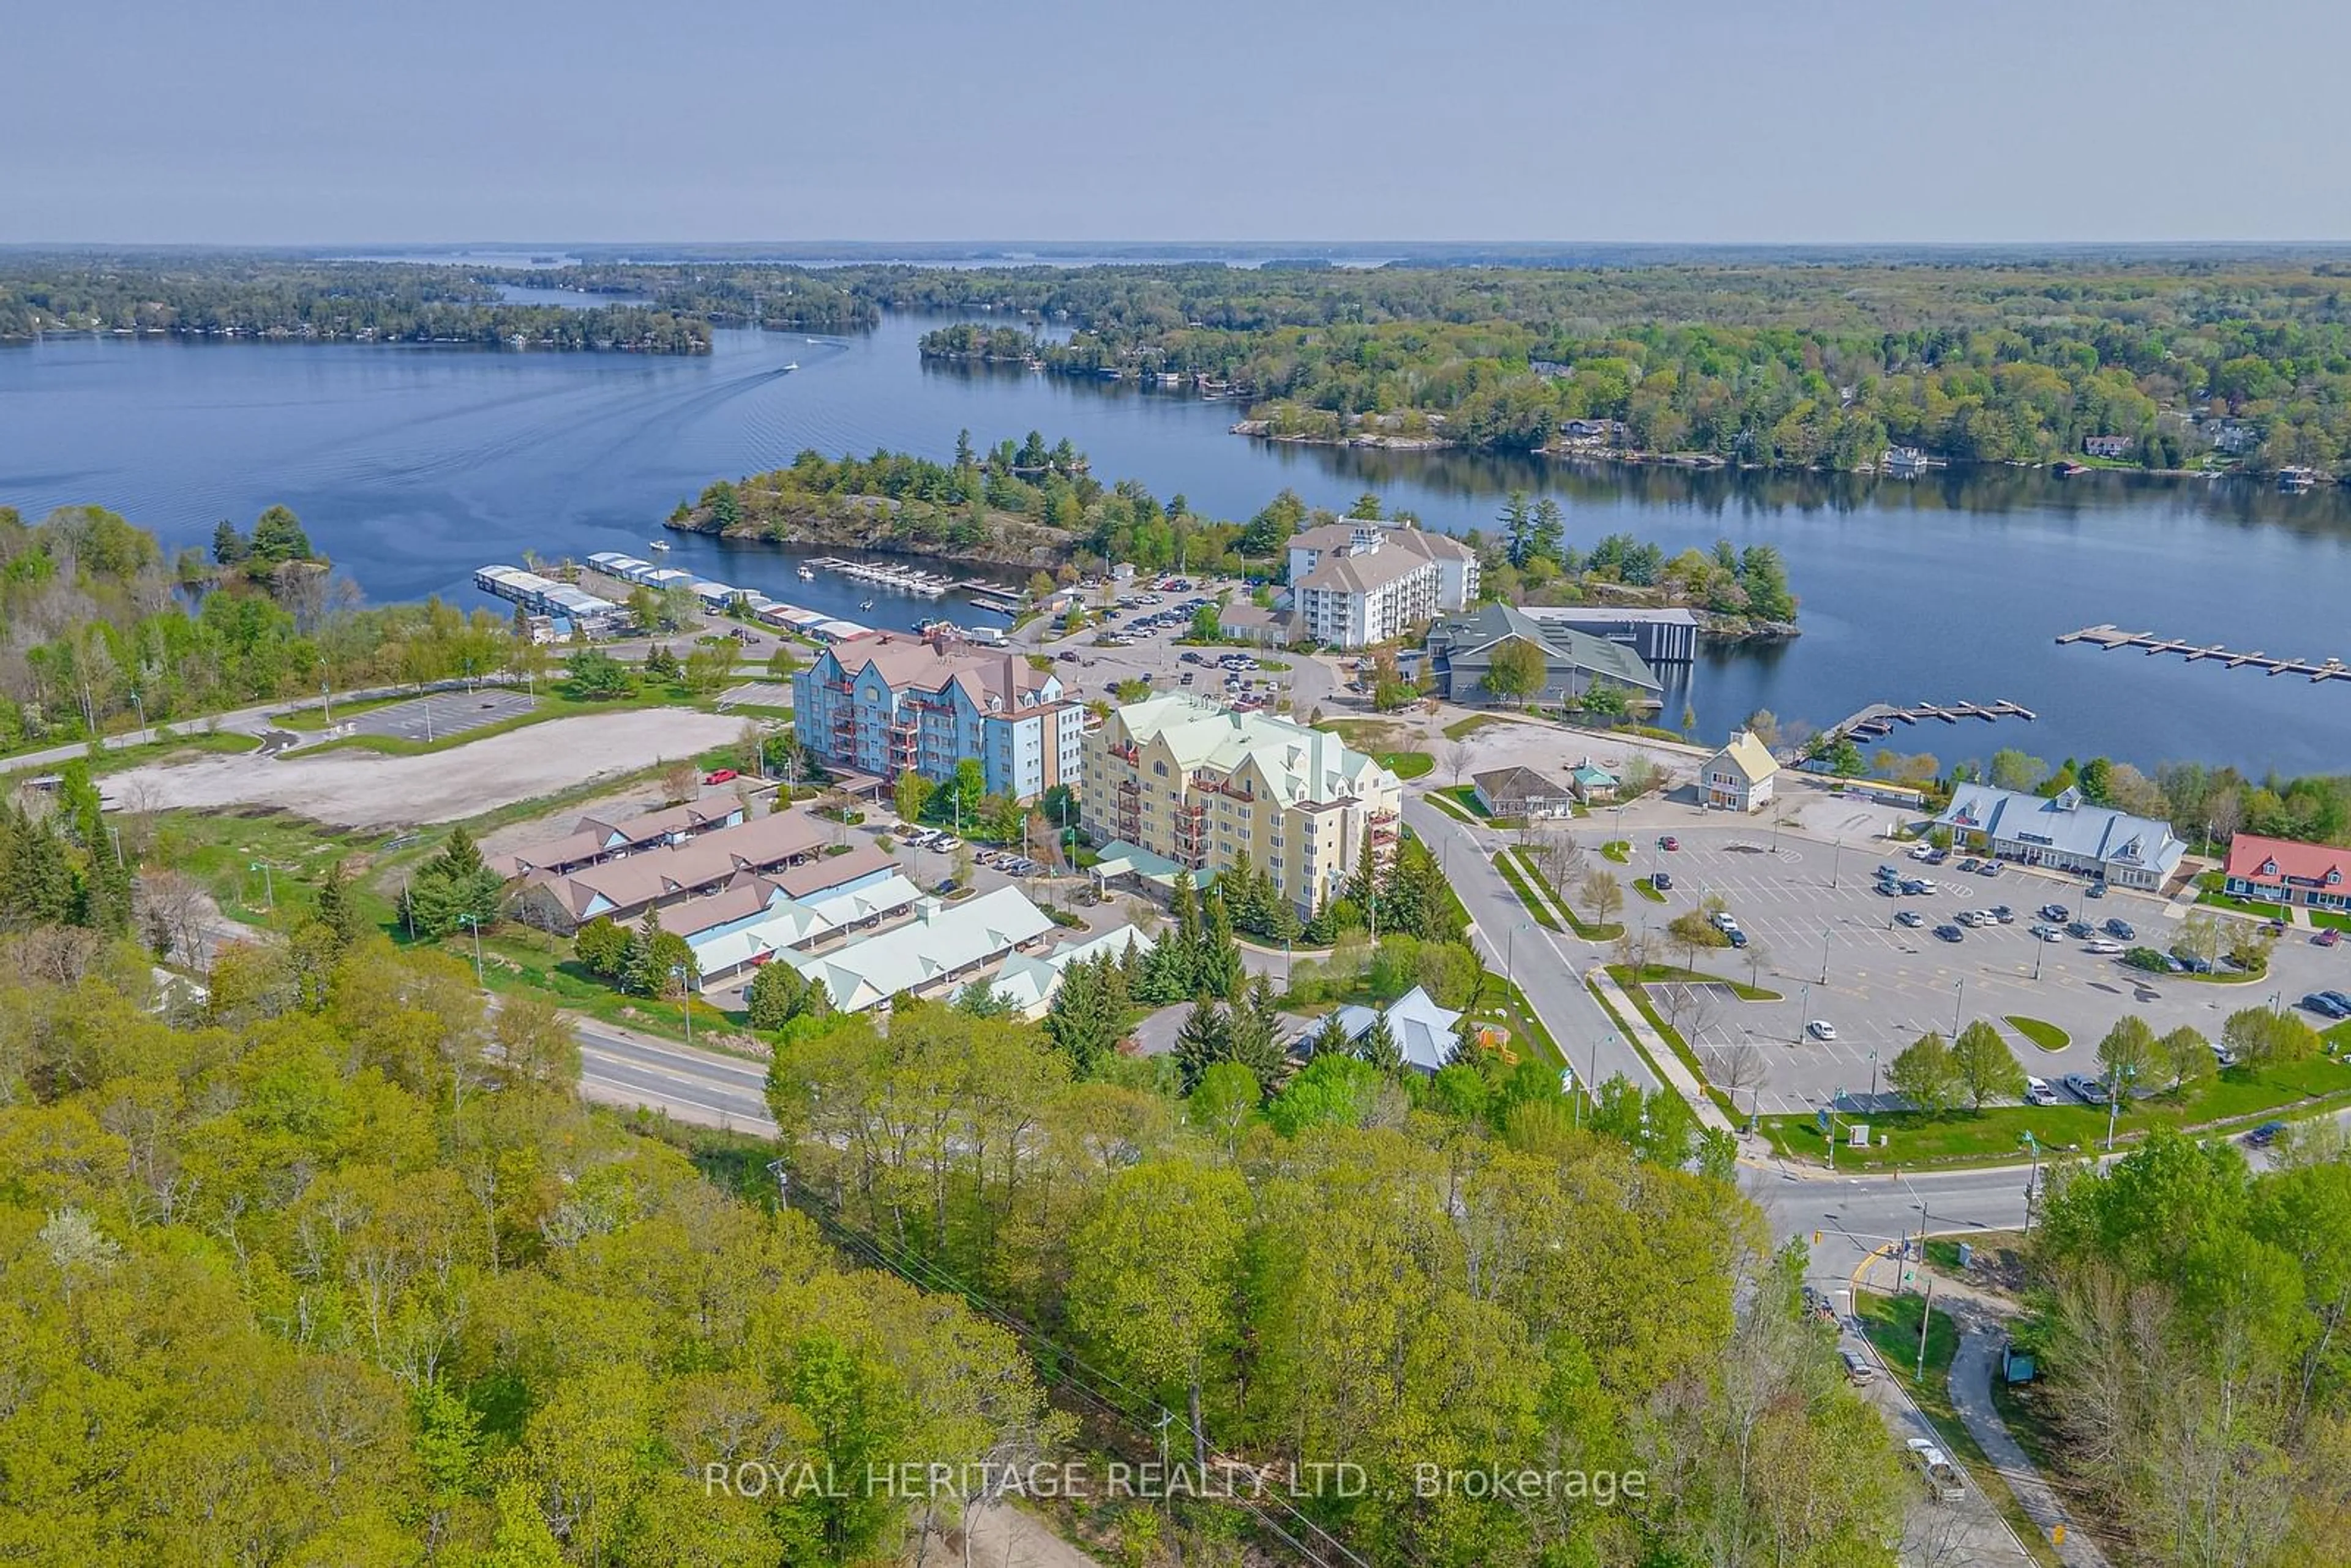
(1547, 966)
(703, 1087)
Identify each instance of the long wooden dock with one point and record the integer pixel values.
(1877, 720)
(2111, 637)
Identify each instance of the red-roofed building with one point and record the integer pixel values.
(2280, 871)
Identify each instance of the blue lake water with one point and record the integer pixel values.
(412, 466)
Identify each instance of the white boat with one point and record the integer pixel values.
(793, 366)
(807, 575)
(658, 544)
(866, 605)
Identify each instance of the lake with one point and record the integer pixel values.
(412, 465)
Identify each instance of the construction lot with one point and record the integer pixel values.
(364, 788)
(1836, 955)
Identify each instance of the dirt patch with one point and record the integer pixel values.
(367, 789)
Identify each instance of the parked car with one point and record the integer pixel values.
(1951, 932)
(2263, 1136)
(2096, 890)
(2102, 946)
(1990, 868)
(1890, 889)
(2121, 928)
(1923, 885)
(1911, 917)
(1966, 864)
(2080, 930)
(1663, 882)
(1858, 1370)
(2056, 912)
(1738, 938)
(2338, 998)
(1820, 1028)
(2037, 1092)
(1944, 1483)
(1669, 843)
(720, 776)
(2084, 1087)
(2323, 1005)
(1884, 871)
(2328, 937)
(2004, 914)
(2048, 933)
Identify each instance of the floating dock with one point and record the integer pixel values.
(1877, 720)
(905, 578)
(2110, 638)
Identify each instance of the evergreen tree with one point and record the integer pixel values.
(453, 889)
(1330, 1037)
(1217, 966)
(1547, 535)
(37, 879)
(1517, 529)
(1088, 1014)
(1377, 1045)
(229, 546)
(338, 909)
(1206, 1039)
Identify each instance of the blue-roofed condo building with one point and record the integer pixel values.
(2064, 832)
(883, 705)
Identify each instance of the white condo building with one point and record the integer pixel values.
(1356, 583)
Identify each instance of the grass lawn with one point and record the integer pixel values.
(222, 849)
(518, 959)
(2047, 1036)
(1407, 764)
(1605, 931)
(1667, 1032)
(1450, 806)
(1617, 850)
(114, 759)
(1666, 974)
(2210, 894)
(1996, 1135)
(1648, 889)
(1466, 796)
(1535, 906)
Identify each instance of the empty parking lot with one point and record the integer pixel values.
(442, 715)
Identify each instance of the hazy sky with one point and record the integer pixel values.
(271, 121)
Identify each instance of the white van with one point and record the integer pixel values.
(1857, 1369)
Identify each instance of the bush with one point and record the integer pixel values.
(2147, 958)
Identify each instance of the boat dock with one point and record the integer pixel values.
(997, 602)
(2110, 637)
(1877, 720)
(905, 578)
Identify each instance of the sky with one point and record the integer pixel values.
(271, 122)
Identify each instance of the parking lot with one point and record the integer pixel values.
(1151, 629)
(1832, 946)
(441, 716)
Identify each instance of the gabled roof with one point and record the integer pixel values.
(1423, 1030)
(647, 877)
(1469, 639)
(1747, 757)
(833, 871)
(941, 940)
(2067, 822)
(2280, 861)
(1298, 764)
(1518, 784)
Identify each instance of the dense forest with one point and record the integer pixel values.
(275, 296)
(2193, 1313)
(1783, 366)
(98, 631)
(729, 294)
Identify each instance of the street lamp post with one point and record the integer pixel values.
(1959, 998)
(1873, 1079)
(1803, 1011)
(473, 922)
(268, 891)
(686, 998)
(2033, 1183)
(2117, 1082)
(1825, 957)
(1836, 858)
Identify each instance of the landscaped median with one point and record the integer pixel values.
(1605, 931)
(1538, 907)
(2045, 1035)
(2228, 1103)
(1607, 989)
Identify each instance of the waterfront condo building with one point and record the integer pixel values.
(1192, 785)
(886, 704)
(1353, 584)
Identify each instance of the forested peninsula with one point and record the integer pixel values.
(276, 297)
(2184, 364)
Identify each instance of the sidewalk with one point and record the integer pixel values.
(1661, 1055)
(1973, 1367)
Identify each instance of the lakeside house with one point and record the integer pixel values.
(1740, 776)
(2108, 446)
(2064, 832)
(1356, 583)
(2285, 870)
(1904, 462)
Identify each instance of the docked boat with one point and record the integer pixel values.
(865, 604)
(808, 574)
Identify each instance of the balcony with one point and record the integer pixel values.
(1127, 754)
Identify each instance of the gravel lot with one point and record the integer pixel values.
(361, 789)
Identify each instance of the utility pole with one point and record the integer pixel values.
(686, 998)
(267, 890)
(1925, 1311)
(2032, 1184)
(474, 924)
(2116, 1082)
(1958, 998)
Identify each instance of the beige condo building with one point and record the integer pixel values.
(1191, 782)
